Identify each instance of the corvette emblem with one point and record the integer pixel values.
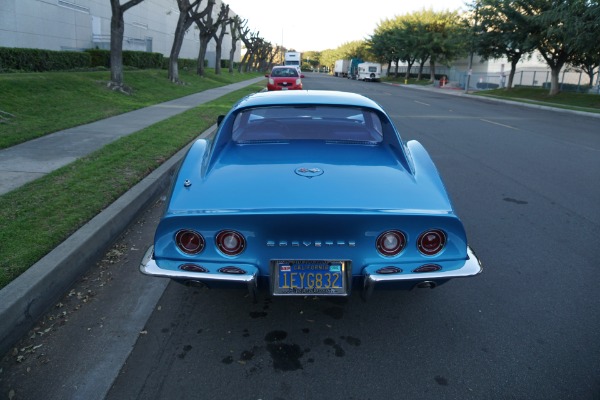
(309, 172)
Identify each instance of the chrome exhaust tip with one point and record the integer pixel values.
(426, 284)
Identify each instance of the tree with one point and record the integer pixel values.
(587, 57)
(235, 26)
(385, 43)
(501, 31)
(188, 13)
(445, 38)
(117, 30)
(208, 28)
(312, 60)
(222, 31)
(557, 29)
(252, 43)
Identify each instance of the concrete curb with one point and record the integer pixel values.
(27, 298)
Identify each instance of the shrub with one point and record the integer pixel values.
(38, 60)
(487, 85)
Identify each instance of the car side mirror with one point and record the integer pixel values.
(220, 119)
(266, 75)
(301, 75)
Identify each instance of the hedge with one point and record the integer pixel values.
(37, 60)
(135, 59)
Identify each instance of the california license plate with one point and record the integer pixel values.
(310, 277)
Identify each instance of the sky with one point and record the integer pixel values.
(317, 25)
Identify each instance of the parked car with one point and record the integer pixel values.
(284, 78)
(309, 193)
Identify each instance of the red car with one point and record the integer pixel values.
(284, 78)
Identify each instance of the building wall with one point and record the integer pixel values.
(84, 24)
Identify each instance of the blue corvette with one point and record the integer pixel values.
(309, 193)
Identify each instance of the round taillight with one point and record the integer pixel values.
(190, 242)
(431, 242)
(230, 243)
(391, 243)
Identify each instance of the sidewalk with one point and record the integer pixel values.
(30, 160)
(27, 298)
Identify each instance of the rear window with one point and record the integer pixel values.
(285, 72)
(327, 123)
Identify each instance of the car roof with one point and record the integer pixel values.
(308, 97)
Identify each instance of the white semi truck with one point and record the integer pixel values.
(293, 58)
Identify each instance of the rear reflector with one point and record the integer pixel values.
(232, 270)
(389, 270)
(193, 268)
(428, 268)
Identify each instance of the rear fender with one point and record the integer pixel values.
(192, 169)
(425, 171)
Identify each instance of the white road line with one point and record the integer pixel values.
(496, 123)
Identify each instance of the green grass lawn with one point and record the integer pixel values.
(37, 217)
(573, 101)
(36, 104)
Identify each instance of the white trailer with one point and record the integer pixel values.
(341, 68)
(369, 71)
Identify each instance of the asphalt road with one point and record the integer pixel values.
(525, 183)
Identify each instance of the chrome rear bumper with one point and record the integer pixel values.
(471, 267)
(148, 266)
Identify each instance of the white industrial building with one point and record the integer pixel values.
(85, 24)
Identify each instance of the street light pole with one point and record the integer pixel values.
(470, 69)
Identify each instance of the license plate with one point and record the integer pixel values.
(284, 88)
(310, 277)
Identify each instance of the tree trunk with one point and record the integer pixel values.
(408, 68)
(513, 70)
(420, 74)
(554, 85)
(234, 29)
(218, 50)
(117, 30)
(231, 56)
(182, 26)
(201, 57)
(432, 71)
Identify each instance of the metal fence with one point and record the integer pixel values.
(570, 81)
